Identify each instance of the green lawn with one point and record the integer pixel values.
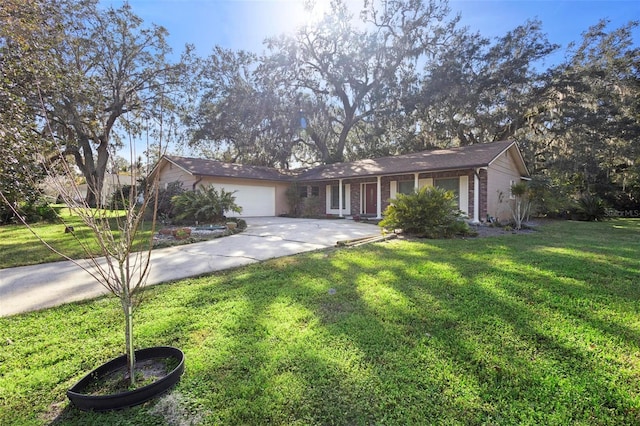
(538, 329)
(19, 247)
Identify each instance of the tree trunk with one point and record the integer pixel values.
(127, 307)
(94, 172)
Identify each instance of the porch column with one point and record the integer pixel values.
(416, 182)
(379, 206)
(476, 196)
(340, 195)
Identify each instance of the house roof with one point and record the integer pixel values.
(203, 167)
(467, 157)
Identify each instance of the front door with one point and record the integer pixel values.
(371, 198)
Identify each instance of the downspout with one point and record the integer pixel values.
(198, 180)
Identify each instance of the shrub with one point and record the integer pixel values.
(37, 211)
(591, 208)
(165, 207)
(550, 197)
(431, 212)
(120, 198)
(206, 204)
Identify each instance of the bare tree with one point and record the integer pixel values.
(123, 264)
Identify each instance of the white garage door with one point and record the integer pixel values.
(254, 200)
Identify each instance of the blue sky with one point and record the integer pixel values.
(244, 24)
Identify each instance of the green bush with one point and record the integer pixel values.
(206, 204)
(119, 199)
(550, 197)
(591, 208)
(431, 212)
(39, 211)
(165, 211)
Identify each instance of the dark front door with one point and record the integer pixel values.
(371, 198)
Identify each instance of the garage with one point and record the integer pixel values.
(260, 191)
(254, 200)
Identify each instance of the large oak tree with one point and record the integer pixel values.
(106, 71)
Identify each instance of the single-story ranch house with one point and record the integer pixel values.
(480, 175)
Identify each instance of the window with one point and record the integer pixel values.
(450, 184)
(315, 191)
(335, 196)
(302, 192)
(406, 187)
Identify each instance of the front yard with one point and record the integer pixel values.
(542, 328)
(19, 247)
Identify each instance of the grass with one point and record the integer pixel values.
(530, 329)
(19, 247)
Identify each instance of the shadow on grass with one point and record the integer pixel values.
(507, 330)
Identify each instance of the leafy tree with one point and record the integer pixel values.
(431, 212)
(104, 70)
(479, 90)
(326, 94)
(23, 66)
(353, 75)
(206, 204)
(590, 123)
(241, 117)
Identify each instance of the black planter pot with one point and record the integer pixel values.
(130, 398)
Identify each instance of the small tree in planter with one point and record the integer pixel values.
(124, 261)
(78, 78)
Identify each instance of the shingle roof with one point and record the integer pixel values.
(467, 157)
(203, 167)
(480, 155)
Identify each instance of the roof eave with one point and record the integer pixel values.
(520, 157)
(405, 172)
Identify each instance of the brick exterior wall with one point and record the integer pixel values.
(483, 195)
(355, 185)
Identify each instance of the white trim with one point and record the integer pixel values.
(463, 191)
(476, 196)
(379, 199)
(363, 196)
(346, 210)
(340, 206)
(393, 189)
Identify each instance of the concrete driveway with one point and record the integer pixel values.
(36, 287)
